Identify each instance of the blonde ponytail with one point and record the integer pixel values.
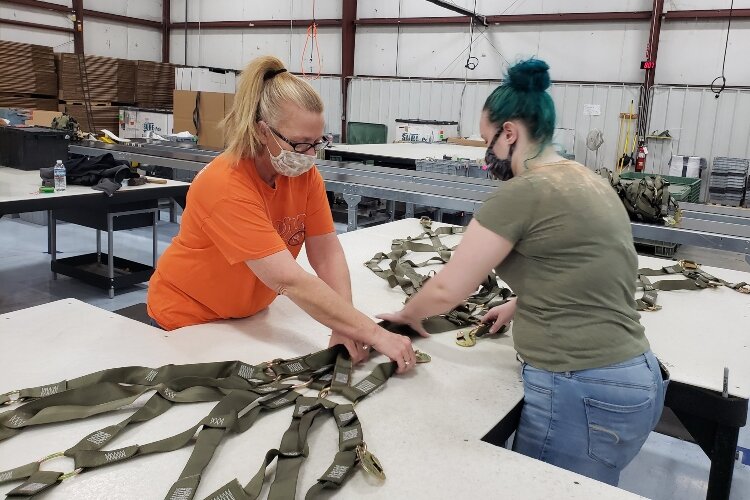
(259, 98)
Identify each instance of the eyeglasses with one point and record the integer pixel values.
(303, 147)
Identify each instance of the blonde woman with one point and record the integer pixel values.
(248, 213)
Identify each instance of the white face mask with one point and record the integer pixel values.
(290, 163)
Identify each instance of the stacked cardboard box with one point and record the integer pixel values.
(154, 85)
(209, 108)
(110, 80)
(27, 75)
(27, 101)
(104, 116)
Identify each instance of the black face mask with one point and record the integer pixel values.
(499, 169)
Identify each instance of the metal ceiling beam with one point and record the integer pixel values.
(716, 14)
(576, 17)
(36, 25)
(40, 5)
(266, 23)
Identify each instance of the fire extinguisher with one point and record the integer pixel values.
(640, 162)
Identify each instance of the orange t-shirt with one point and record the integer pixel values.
(232, 216)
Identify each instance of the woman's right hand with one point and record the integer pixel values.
(500, 315)
(397, 347)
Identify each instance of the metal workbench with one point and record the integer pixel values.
(723, 228)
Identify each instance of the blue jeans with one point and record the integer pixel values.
(592, 422)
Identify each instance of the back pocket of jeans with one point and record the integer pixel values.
(616, 432)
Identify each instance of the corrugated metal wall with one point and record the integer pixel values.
(329, 88)
(383, 100)
(700, 125)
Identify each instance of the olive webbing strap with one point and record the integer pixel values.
(695, 279)
(214, 430)
(290, 455)
(293, 448)
(137, 375)
(108, 396)
(154, 406)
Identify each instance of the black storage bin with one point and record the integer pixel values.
(32, 148)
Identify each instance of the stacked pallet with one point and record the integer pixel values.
(12, 100)
(110, 80)
(154, 85)
(727, 183)
(103, 116)
(27, 75)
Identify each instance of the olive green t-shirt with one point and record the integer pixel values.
(573, 267)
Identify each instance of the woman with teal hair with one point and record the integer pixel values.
(560, 237)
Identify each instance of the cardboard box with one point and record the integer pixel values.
(212, 107)
(41, 118)
(205, 80)
(138, 123)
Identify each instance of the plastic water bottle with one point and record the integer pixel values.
(59, 172)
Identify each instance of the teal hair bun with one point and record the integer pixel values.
(531, 75)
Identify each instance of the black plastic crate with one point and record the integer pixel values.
(32, 148)
(92, 269)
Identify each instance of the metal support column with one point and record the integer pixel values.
(110, 255)
(52, 238)
(352, 204)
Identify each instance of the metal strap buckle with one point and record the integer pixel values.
(689, 264)
(370, 462)
(268, 370)
(60, 454)
(13, 400)
(324, 392)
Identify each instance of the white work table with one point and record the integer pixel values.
(19, 192)
(425, 427)
(412, 151)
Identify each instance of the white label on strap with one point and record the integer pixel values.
(6, 476)
(224, 495)
(50, 390)
(246, 371)
(182, 494)
(217, 421)
(303, 409)
(345, 417)
(338, 471)
(32, 487)
(99, 437)
(326, 377)
(342, 378)
(365, 386)
(15, 420)
(115, 455)
(170, 393)
(295, 367)
(151, 375)
(350, 434)
(278, 402)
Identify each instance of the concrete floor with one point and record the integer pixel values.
(665, 468)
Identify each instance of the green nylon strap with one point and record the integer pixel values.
(209, 438)
(137, 375)
(402, 274)
(38, 482)
(155, 406)
(22, 472)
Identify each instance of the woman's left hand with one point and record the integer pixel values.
(402, 319)
(358, 351)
